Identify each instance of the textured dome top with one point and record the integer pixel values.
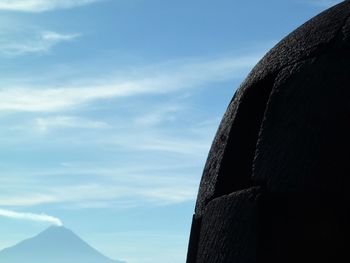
(275, 185)
(288, 125)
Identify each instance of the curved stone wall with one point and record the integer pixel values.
(274, 187)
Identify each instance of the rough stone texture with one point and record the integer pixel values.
(304, 139)
(234, 239)
(194, 239)
(304, 227)
(230, 159)
(286, 130)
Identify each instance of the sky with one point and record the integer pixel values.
(108, 109)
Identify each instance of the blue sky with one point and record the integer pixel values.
(108, 109)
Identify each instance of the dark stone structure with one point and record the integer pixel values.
(275, 185)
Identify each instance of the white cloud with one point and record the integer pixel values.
(45, 124)
(158, 116)
(106, 195)
(186, 145)
(31, 217)
(42, 42)
(183, 146)
(171, 195)
(185, 75)
(41, 5)
(134, 191)
(35, 199)
(55, 37)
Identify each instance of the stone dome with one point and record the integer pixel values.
(275, 182)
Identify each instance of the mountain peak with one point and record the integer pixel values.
(57, 229)
(56, 244)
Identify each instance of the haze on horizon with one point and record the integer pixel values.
(108, 109)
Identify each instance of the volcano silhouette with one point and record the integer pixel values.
(53, 245)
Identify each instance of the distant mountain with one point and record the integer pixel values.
(54, 245)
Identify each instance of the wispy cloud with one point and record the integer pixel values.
(45, 124)
(55, 37)
(161, 143)
(127, 192)
(31, 217)
(158, 116)
(34, 199)
(41, 5)
(160, 80)
(97, 196)
(42, 42)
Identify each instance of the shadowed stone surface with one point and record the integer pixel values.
(234, 239)
(302, 227)
(287, 131)
(307, 143)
